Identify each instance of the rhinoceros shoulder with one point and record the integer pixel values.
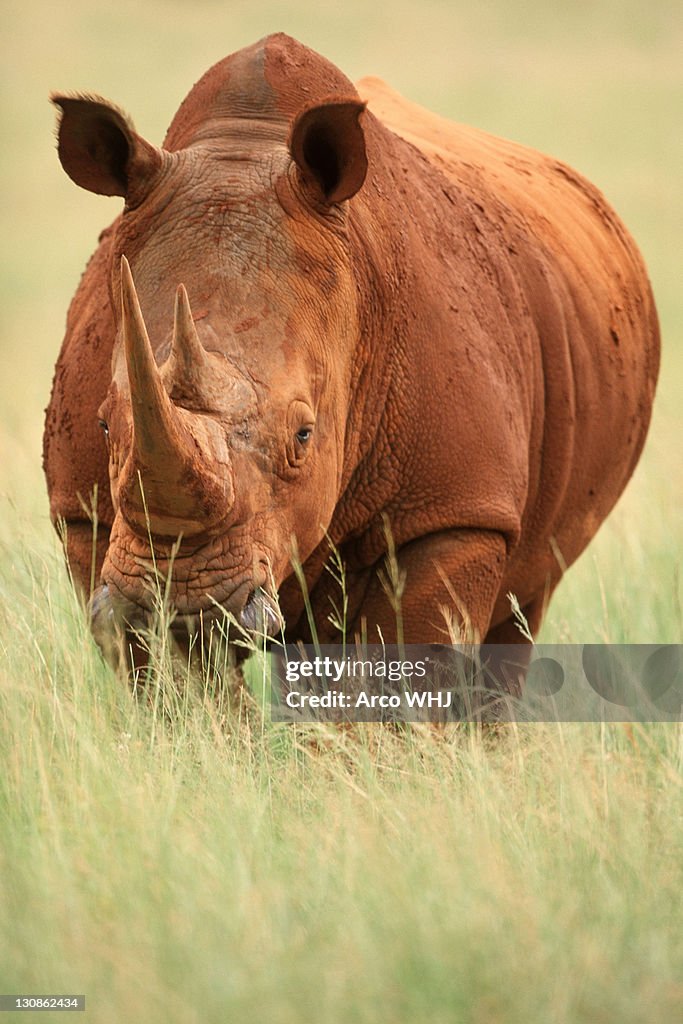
(438, 137)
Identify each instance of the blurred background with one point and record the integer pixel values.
(598, 84)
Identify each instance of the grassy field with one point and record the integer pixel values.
(177, 862)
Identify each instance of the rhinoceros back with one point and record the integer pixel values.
(586, 290)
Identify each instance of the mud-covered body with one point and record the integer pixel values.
(466, 331)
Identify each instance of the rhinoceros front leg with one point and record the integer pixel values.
(85, 551)
(437, 588)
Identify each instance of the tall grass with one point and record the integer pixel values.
(179, 859)
(176, 859)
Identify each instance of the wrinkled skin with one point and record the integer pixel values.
(458, 346)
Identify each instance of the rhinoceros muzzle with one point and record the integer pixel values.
(110, 612)
(258, 616)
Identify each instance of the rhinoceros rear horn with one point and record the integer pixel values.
(328, 146)
(187, 364)
(101, 151)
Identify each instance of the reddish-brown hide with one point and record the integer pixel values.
(394, 322)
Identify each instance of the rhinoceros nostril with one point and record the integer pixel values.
(100, 605)
(260, 615)
(108, 608)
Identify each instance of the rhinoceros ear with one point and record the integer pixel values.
(100, 150)
(327, 144)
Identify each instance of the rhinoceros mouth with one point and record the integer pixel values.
(251, 609)
(259, 616)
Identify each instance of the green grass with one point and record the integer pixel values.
(179, 862)
(176, 863)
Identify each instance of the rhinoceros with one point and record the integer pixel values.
(328, 320)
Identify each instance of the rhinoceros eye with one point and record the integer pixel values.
(104, 427)
(301, 424)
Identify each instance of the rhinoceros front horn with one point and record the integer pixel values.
(168, 483)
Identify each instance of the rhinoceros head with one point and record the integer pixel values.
(235, 312)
